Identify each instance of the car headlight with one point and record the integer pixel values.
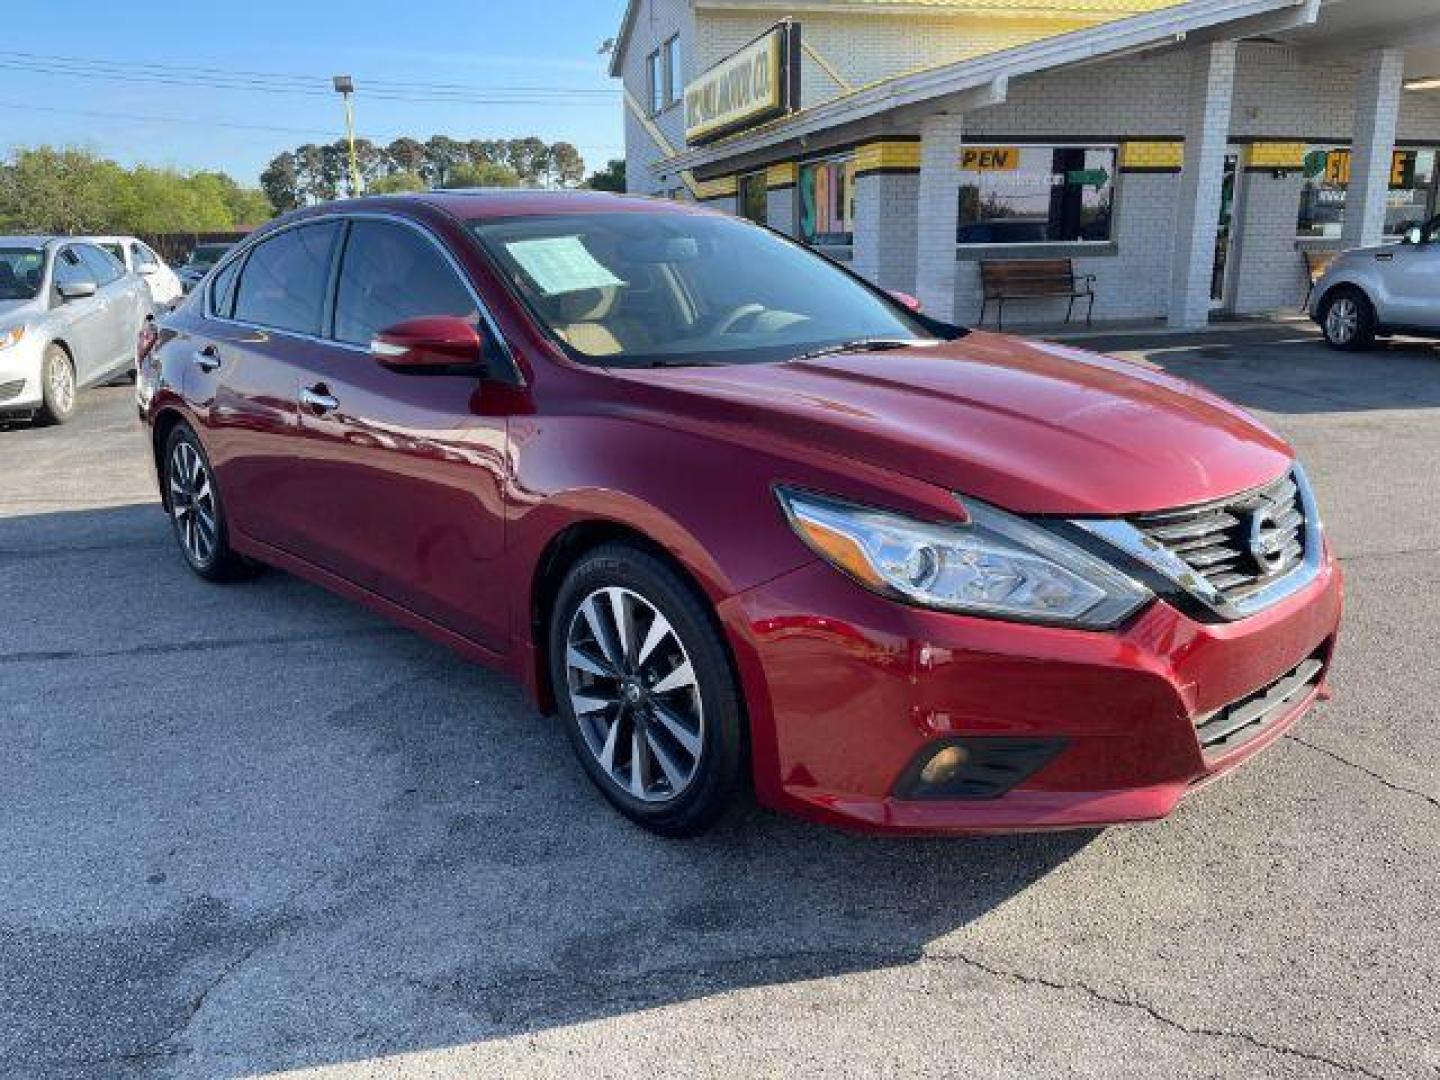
(995, 565)
(12, 336)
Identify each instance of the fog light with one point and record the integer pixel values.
(975, 767)
(943, 767)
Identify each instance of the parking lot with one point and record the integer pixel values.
(254, 830)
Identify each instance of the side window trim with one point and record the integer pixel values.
(492, 328)
(332, 284)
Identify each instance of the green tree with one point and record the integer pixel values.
(397, 182)
(566, 166)
(610, 178)
(442, 155)
(482, 176)
(281, 182)
(529, 157)
(406, 155)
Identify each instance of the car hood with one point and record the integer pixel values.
(15, 311)
(1033, 427)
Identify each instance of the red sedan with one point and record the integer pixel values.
(733, 512)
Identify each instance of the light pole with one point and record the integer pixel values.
(345, 86)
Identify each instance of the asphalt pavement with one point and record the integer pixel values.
(253, 830)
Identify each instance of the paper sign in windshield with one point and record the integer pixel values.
(561, 264)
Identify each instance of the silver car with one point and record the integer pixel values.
(1374, 292)
(70, 317)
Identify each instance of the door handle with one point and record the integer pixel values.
(1385, 257)
(207, 359)
(318, 399)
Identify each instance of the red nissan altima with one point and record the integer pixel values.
(732, 512)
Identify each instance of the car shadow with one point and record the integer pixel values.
(262, 830)
(1289, 371)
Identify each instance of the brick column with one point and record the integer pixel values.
(887, 204)
(1380, 82)
(1211, 93)
(938, 213)
(1270, 272)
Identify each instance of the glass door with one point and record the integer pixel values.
(1225, 233)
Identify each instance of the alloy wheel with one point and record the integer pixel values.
(1343, 320)
(635, 695)
(192, 504)
(62, 383)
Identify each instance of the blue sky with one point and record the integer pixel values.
(530, 49)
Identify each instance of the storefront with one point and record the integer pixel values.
(917, 141)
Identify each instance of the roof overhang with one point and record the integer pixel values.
(974, 83)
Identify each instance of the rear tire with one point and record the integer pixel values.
(652, 707)
(57, 386)
(197, 513)
(1348, 319)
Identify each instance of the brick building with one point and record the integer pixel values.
(1187, 154)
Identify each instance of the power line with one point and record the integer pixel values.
(30, 107)
(190, 121)
(434, 93)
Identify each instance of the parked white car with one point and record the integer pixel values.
(70, 318)
(1376, 291)
(166, 288)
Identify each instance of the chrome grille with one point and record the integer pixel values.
(1240, 545)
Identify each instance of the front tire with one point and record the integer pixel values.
(646, 690)
(196, 512)
(1348, 320)
(57, 386)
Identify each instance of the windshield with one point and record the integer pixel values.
(207, 255)
(674, 289)
(21, 271)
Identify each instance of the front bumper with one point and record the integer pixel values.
(846, 689)
(20, 375)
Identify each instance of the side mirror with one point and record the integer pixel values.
(432, 343)
(147, 268)
(1414, 235)
(77, 290)
(907, 301)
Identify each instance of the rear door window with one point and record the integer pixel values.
(222, 289)
(283, 283)
(102, 264)
(390, 273)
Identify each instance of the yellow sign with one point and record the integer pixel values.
(990, 158)
(1337, 169)
(741, 91)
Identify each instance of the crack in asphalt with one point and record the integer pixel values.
(819, 963)
(1356, 556)
(23, 555)
(1379, 778)
(166, 648)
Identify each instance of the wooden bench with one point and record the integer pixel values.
(1035, 279)
(1316, 263)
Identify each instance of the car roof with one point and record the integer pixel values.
(469, 204)
(33, 241)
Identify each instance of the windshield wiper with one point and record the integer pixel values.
(870, 344)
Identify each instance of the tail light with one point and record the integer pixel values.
(148, 337)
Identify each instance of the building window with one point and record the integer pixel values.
(662, 69)
(1414, 196)
(674, 88)
(656, 74)
(827, 202)
(752, 199)
(1036, 194)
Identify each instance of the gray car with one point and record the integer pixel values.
(70, 318)
(1373, 292)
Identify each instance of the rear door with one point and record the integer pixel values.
(120, 304)
(260, 332)
(1412, 279)
(401, 475)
